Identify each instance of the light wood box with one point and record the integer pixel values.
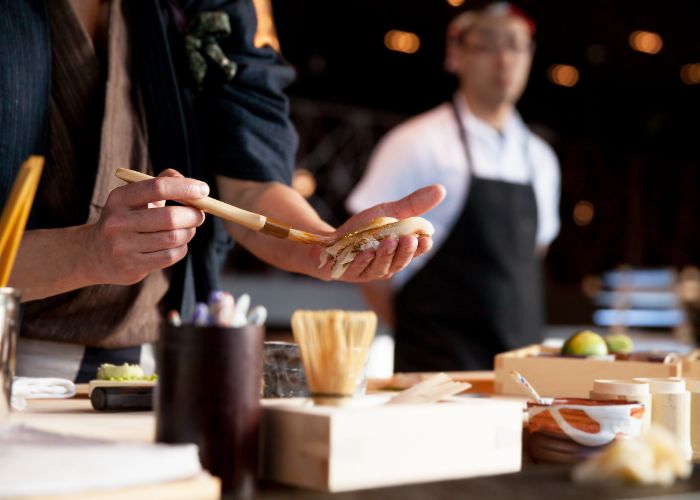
(691, 365)
(371, 444)
(557, 376)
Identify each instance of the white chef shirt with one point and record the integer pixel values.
(427, 149)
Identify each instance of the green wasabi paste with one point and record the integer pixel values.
(123, 373)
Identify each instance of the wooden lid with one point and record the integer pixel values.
(622, 387)
(664, 385)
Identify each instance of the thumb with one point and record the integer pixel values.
(170, 172)
(412, 205)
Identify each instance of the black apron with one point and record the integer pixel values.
(480, 292)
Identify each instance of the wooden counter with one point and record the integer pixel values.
(75, 416)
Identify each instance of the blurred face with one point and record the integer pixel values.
(495, 60)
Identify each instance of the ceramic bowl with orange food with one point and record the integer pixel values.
(571, 429)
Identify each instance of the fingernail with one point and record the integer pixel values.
(203, 188)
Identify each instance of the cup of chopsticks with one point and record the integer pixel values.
(209, 370)
(334, 345)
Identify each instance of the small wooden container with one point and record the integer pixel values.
(691, 364)
(369, 444)
(558, 376)
(693, 386)
(670, 403)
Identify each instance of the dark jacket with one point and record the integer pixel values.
(238, 128)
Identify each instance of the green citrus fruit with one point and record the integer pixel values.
(619, 343)
(585, 343)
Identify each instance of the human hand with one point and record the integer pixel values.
(393, 254)
(137, 234)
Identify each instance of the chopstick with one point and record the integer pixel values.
(251, 220)
(16, 212)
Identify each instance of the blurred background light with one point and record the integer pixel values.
(563, 74)
(304, 182)
(402, 41)
(646, 41)
(583, 213)
(690, 73)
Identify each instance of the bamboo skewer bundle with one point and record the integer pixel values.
(16, 212)
(334, 346)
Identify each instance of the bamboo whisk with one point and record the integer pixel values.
(333, 346)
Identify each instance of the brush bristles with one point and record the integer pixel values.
(334, 346)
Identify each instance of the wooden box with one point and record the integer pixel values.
(691, 365)
(371, 444)
(556, 376)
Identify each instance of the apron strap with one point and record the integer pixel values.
(464, 139)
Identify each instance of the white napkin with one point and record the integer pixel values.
(34, 462)
(24, 388)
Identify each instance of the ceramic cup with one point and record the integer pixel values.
(571, 429)
(625, 390)
(9, 326)
(208, 393)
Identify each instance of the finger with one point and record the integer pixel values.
(425, 243)
(416, 203)
(162, 258)
(161, 240)
(404, 253)
(170, 172)
(358, 265)
(381, 264)
(142, 193)
(165, 219)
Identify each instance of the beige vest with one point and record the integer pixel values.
(103, 315)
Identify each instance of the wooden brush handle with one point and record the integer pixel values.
(16, 212)
(210, 205)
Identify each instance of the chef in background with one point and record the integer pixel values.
(479, 292)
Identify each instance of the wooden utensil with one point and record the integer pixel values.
(251, 220)
(16, 212)
(430, 390)
(527, 387)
